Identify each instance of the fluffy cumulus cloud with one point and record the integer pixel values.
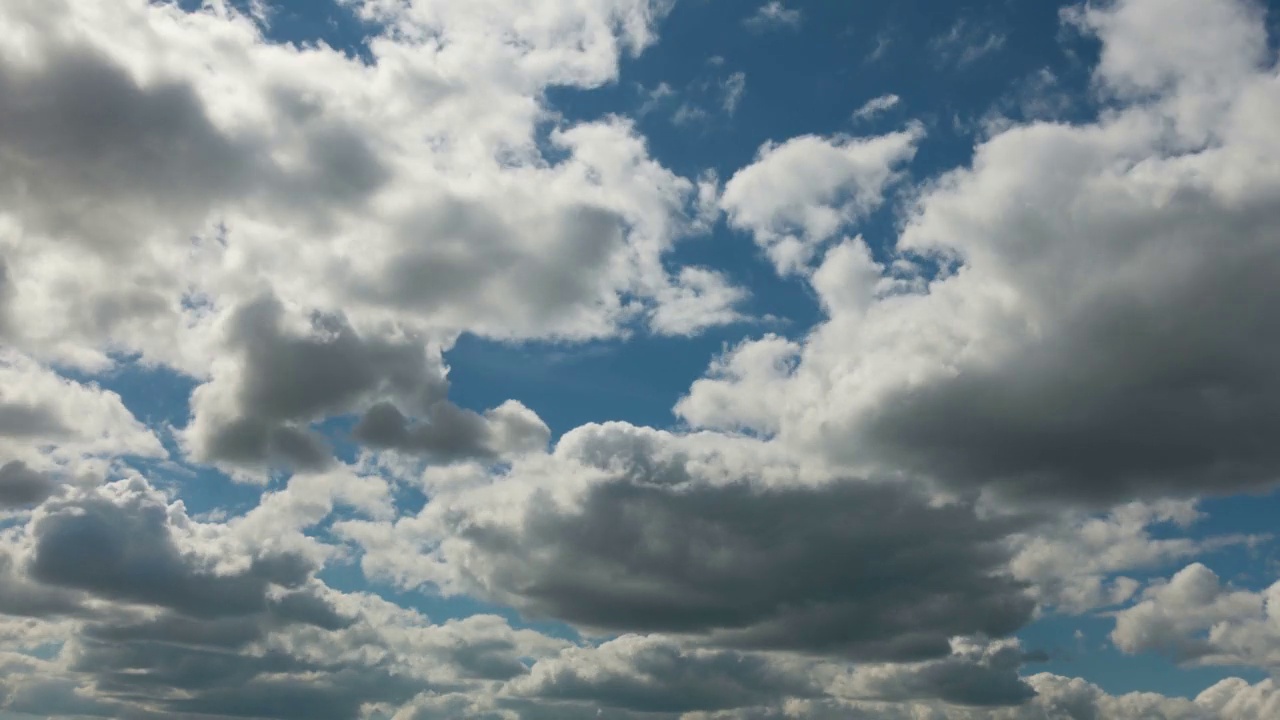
(1084, 311)
(802, 192)
(411, 191)
(626, 529)
(1195, 617)
(238, 480)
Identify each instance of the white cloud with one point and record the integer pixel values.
(53, 424)
(773, 15)
(735, 86)
(1080, 562)
(1085, 310)
(875, 106)
(1196, 618)
(803, 192)
(234, 165)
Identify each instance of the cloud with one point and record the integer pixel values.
(1196, 618)
(1061, 318)
(801, 193)
(966, 42)
(453, 433)
(154, 614)
(20, 485)
(1004, 412)
(876, 106)
(975, 675)
(256, 412)
(735, 86)
(631, 530)
(1080, 563)
(773, 15)
(651, 674)
(50, 423)
(233, 166)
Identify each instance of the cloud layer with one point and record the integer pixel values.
(1028, 372)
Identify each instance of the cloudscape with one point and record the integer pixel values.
(639, 359)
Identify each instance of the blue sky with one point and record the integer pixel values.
(639, 359)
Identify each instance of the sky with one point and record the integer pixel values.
(639, 359)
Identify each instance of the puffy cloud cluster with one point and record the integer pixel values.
(850, 523)
(625, 529)
(1091, 312)
(1080, 563)
(1196, 618)
(800, 193)
(181, 190)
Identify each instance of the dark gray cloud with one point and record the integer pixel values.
(288, 380)
(974, 675)
(20, 485)
(656, 675)
(863, 570)
(159, 633)
(125, 551)
(450, 433)
(1160, 381)
(21, 597)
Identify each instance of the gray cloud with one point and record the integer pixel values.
(653, 674)
(125, 551)
(1151, 403)
(858, 569)
(154, 631)
(93, 156)
(452, 433)
(19, 420)
(20, 485)
(459, 260)
(973, 675)
(288, 380)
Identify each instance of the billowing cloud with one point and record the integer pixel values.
(804, 191)
(1194, 617)
(650, 674)
(1085, 311)
(410, 191)
(633, 530)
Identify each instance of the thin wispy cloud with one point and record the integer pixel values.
(875, 106)
(734, 87)
(773, 15)
(966, 42)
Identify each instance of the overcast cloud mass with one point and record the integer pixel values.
(639, 359)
